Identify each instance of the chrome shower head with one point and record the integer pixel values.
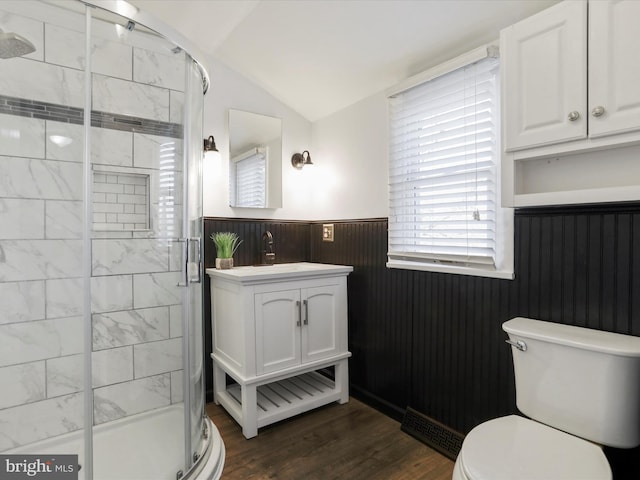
(13, 45)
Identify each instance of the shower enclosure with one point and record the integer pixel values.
(101, 352)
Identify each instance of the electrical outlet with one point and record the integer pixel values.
(327, 232)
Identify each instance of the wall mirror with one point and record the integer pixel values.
(255, 160)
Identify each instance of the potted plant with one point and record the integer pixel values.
(226, 245)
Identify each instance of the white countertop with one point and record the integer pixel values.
(279, 271)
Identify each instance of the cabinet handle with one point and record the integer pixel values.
(306, 312)
(573, 116)
(598, 111)
(299, 313)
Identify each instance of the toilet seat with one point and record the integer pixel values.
(516, 448)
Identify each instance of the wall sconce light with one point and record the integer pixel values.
(210, 144)
(299, 160)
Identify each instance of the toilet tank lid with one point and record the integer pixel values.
(578, 337)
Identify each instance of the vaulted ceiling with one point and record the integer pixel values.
(319, 56)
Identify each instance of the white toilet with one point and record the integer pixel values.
(580, 389)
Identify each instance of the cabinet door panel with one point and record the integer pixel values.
(320, 333)
(614, 66)
(544, 77)
(277, 332)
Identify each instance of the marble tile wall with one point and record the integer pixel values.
(136, 315)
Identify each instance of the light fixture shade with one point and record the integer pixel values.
(299, 160)
(210, 144)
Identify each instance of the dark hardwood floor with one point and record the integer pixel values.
(350, 441)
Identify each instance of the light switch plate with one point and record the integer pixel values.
(327, 232)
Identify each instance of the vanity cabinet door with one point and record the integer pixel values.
(277, 315)
(614, 67)
(544, 62)
(298, 326)
(322, 322)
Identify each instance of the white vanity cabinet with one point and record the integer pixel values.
(274, 328)
(571, 85)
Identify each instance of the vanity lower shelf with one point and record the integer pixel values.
(296, 393)
(256, 405)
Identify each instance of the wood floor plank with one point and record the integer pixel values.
(350, 441)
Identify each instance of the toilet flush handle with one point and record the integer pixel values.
(520, 345)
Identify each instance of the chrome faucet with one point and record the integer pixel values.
(268, 253)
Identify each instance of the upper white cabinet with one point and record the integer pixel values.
(545, 77)
(614, 67)
(571, 104)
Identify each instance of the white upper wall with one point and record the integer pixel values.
(230, 90)
(349, 150)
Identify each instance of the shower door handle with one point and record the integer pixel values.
(191, 271)
(195, 276)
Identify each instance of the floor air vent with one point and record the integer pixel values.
(432, 433)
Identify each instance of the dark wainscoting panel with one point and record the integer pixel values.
(434, 341)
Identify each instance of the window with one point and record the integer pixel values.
(444, 212)
(249, 188)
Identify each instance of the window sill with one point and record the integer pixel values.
(455, 269)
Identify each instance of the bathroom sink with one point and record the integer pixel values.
(279, 271)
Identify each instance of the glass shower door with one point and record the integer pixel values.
(42, 99)
(137, 243)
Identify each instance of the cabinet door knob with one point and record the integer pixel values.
(573, 116)
(597, 112)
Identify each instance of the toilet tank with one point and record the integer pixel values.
(582, 381)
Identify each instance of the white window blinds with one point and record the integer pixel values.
(444, 150)
(249, 188)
